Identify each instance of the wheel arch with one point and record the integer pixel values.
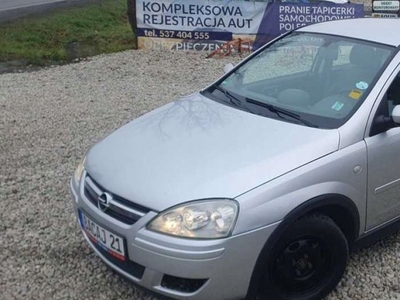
(339, 208)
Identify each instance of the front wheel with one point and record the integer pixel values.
(307, 262)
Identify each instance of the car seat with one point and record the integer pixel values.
(364, 64)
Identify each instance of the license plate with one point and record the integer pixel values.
(109, 241)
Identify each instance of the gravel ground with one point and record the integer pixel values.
(48, 119)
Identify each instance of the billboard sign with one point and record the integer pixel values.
(384, 15)
(385, 6)
(205, 25)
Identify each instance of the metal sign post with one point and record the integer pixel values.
(131, 5)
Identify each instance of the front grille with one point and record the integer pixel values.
(118, 208)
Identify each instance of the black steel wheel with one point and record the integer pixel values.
(307, 262)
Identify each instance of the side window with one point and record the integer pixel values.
(388, 102)
(393, 94)
(343, 55)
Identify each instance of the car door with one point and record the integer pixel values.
(383, 148)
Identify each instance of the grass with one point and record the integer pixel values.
(89, 30)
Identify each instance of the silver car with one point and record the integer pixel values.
(259, 185)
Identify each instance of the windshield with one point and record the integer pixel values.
(319, 79)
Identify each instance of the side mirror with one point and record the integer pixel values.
(229, 67)
(384, 123)
(396, 114)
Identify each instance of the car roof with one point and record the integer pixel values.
(377, 30)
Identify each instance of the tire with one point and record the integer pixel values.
(307, 261)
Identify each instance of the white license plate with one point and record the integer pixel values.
(109, 241)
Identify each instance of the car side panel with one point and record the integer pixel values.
(343, 172)
(383, 164)
(384, 177)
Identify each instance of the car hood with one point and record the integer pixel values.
(196, 148)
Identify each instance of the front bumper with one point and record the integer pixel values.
(176, 267)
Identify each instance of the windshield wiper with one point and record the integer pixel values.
(232, 98)
(281, 111)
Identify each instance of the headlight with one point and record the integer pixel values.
(209, 219)
(79, 171)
